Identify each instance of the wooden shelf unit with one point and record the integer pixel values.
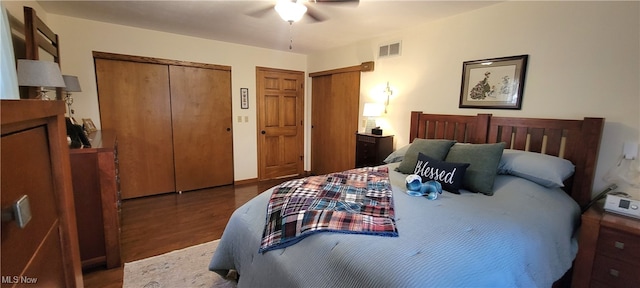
(97, 195)
(371, 150)
(609, 250)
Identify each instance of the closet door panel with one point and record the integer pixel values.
(203, 140)
(335, 102)
(135, 102)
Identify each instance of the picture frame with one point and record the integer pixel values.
(495, 83)
(88, 125)
(244, 98)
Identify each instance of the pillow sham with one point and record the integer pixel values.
(434, 148)
(450, 175)
(397, 156)
(546, 170)
(483, 162)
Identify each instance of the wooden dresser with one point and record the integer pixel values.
(371, 150)
(35, 164)
(609, 250)
(97, 197)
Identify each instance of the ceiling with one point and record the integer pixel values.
(237, 21)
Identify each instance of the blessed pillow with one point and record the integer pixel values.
(546, 170)
(434, 148)
(450, 175)
(483, 160)
(397, 156)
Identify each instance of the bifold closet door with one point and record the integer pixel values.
(135, 102)
(202, 136)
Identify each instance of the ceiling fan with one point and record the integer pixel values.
(293, 10)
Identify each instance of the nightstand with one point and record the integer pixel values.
(609, 250)
(371, 150)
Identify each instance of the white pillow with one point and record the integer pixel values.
(546, 170)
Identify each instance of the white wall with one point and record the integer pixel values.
(584, 60)
(80, 37)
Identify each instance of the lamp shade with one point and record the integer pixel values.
(372, 110)
(71, 83)
(37, 73)
(290, 11)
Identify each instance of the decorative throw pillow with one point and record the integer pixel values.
(483, 160)
(450, 175)
(398, 155)
(434, 148)
(546, 170)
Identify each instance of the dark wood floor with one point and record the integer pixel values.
(158, 224)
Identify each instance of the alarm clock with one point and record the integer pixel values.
(621, 205)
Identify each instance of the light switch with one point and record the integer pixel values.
(239, 119)
(246, 119)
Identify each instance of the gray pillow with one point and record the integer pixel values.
(483, 160)
(546, 170)
(434, 148)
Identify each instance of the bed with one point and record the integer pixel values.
(520, 233)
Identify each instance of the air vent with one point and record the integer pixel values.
(390, 49)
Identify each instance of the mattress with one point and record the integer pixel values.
(522, 236)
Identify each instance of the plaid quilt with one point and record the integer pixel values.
(356, 201)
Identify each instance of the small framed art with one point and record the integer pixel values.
(88, 125)
(493, 83)
(244, 98)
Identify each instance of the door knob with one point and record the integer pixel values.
(228, 129)
(263, 132)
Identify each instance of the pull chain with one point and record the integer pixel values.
(290, 35)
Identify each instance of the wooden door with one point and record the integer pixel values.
(134, 101)
(335, 100)
(280, 126)
(202, 137)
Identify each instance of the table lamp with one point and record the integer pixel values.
(72, 85)
(37, 73)
(371, 110)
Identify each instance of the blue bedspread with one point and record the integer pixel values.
(523, 236)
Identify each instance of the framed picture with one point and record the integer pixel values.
(88, 125)
(493, 83)
(244, 98)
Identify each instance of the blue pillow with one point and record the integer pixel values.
(397, 156)
(546, 170)
(450, 175)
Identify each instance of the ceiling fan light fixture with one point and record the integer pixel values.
(290, 11)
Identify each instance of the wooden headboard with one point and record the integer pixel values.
(464, 129)
(39, 36)
(575, 140)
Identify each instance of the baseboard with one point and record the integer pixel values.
(246, 181)
(255, 180)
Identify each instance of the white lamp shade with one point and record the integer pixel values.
(372, 110)
(37, 73)
(291, 11)
(71, 83)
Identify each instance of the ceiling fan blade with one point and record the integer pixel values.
(261, 12)
(352, 2)
(315, 15)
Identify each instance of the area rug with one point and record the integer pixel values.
(187, 267)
